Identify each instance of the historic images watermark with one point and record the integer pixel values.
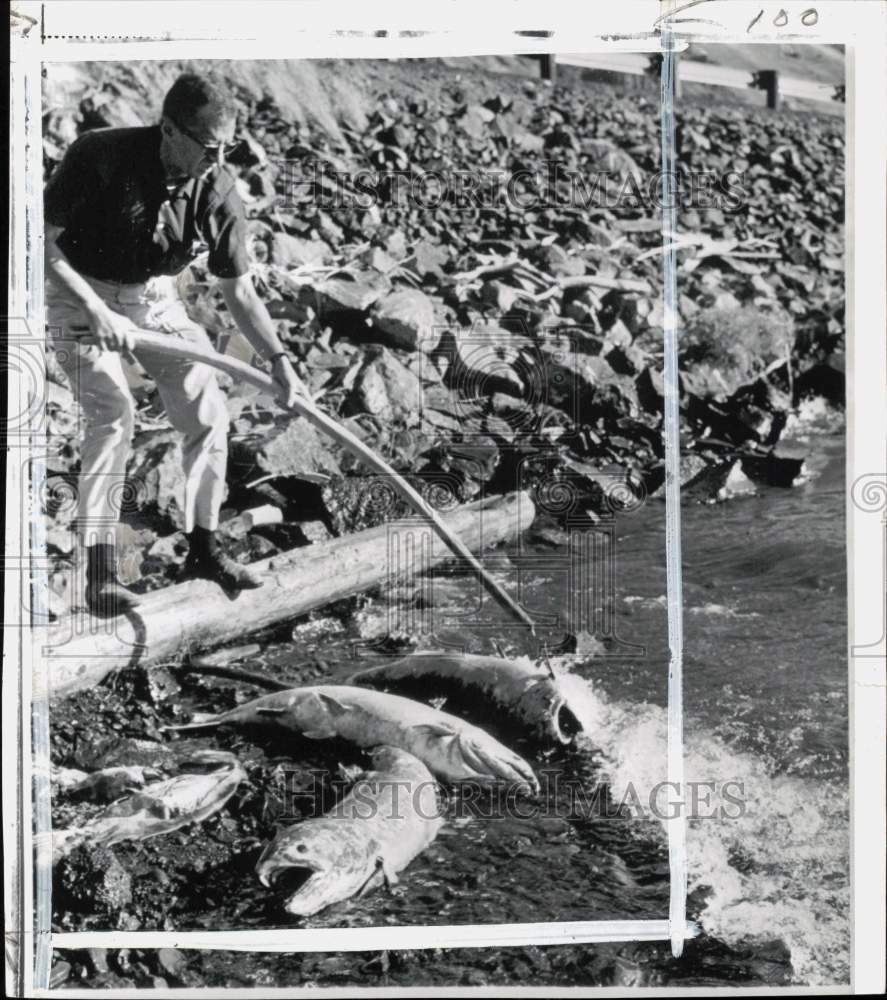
(522, 190)
(561, 796)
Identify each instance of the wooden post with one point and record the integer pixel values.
(768, 80)
(548, 66)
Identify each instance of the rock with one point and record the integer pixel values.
(650, 387)
(692, 467)
(386, 388)
(774, 470)
(315, 531)
(329, 229)
(607, 157)
(92, 880)
(370, 395)
(172, 962)
(627, 360)
(618, 336)
(287, 447)
(634, 310)
(710, 483)
(556, 261)
(396, 243)
(99, 959)
(168, 548)
(404, 319)
(474, 120)
(582, 306)
(161, 684)
(155, 478)
(827, 380)
(736, 484)
(499, 295)
(429, 259)
(726, 300)
(293, 251)
(339, 295)
(59, 974)
(586, 387)
(483, 360)
(131, 547)
(60, 539)
(527, 142)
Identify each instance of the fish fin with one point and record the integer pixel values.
(333, 705)
(387, 874)
(372, 880)
(380, 874)
(430, 729)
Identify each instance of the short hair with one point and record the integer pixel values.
(191, 92)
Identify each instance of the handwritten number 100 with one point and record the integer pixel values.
(808, 19)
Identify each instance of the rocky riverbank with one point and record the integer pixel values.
(469, 275)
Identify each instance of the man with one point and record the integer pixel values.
(127, 210)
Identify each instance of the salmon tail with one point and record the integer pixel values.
(64, 842)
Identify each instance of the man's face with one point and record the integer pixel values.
(195, 146)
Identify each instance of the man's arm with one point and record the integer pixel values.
(110, 329)
(253, 321)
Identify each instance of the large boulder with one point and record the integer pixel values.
(584, 386)
(386, 388)
(484, 359)
(288, 446)
(293, 251)
(404, 319)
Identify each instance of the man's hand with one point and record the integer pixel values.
(112, 332)
(288, 383)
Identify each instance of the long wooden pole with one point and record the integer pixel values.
(174, 348)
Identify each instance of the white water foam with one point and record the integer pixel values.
(779, 870)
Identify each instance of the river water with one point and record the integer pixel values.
(766, 726)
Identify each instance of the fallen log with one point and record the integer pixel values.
(80, 650)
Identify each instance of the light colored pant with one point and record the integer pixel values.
(195, 405)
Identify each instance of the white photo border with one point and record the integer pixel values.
(58, 31)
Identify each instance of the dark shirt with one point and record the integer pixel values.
(122, 223)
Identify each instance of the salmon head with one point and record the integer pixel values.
(317, 863)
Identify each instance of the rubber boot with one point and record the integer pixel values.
(106, 597)
(207, 561)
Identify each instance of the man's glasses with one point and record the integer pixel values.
(217, 151)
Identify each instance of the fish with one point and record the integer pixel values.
(527, 695)
(161, 807)
(105, 785)
(453, 750)
(390, 815)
